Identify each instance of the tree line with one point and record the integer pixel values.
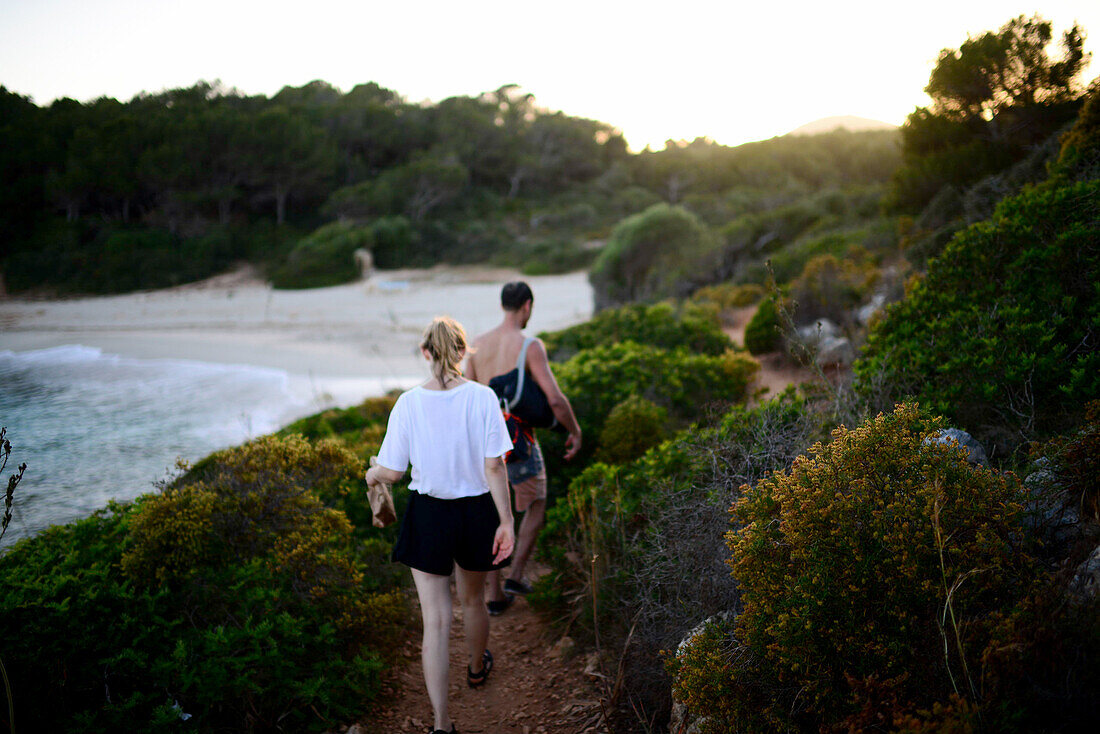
(184, 181)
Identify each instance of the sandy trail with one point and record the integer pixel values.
(776, 370)
(533, 689)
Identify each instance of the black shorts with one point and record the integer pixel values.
(435, 534)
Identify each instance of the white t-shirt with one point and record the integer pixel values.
(446, 435)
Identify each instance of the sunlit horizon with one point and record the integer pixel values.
(730, 74)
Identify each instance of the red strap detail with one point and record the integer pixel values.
(517, 427)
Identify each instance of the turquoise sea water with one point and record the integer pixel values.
(93, 426)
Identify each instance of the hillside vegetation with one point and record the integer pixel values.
(110, 196)
(826, 559)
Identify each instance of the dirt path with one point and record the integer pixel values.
(776, 371)
(534, 688)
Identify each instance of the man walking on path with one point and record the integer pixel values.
(495, 353)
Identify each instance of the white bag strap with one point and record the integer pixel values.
(521, 366)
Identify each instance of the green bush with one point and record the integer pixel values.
(345, 423)
(105, 258)
(665, 325)
(770, 230)
(654, 527)
(762, 333)
(682, 382)
(871, 240)
(234, 596)
(359, 429)
(997, 334)
(879, 564)
(650, 256)
(689, 386)
(133, 259)
(326, 257)
(1079, 158)
(830, 287)
(554, 255)
(633, 427)
(394, 242)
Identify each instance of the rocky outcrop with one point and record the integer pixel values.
(1053, 514)
(826, 341)
(975, 453)
(681, 721)
(1086, 579)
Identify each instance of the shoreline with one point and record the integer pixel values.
(96, 396)
(363, 330)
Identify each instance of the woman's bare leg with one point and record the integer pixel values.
(475, 617)
(435, 609)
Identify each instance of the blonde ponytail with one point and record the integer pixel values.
(445, 341)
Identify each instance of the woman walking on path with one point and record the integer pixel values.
(459, 516)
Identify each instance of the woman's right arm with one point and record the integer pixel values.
(497, 476)
(378, 474)
(394, 451)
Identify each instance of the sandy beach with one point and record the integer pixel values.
(343, 340)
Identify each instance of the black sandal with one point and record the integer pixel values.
(473, 680)
(440, 731)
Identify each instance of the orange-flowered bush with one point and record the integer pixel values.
(875, 567)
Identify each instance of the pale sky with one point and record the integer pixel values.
(733, 71)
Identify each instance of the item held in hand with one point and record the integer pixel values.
(380, 497)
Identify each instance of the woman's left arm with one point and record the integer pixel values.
(497, 476)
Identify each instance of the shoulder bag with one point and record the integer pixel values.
(522, 397)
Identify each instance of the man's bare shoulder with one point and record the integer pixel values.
(480, 340)
(538, 348)
(487, 340)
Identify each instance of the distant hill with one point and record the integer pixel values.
(848, 122)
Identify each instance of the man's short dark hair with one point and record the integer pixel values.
(514, 295)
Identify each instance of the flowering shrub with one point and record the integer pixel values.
(235, 504)
(878, 564)
(234, 596)
(636, 549)
(359, 429)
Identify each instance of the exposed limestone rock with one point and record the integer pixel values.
(966, 441)
(1086, 581)
(681, 721)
